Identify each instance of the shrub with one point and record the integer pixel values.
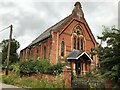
(15, 67)
(26, 67)
(56, 69)
(35, 66)
(41, 66)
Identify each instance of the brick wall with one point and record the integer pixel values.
(53, 44)
(36, 51)
(66, 76)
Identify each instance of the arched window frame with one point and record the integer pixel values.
(78, 43)
(37, 51)
(44, 52)
(74, 42)
(62, 48)
(78, 30)
(81, 43)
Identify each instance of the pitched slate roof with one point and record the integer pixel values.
(76, 54)
(54, 28)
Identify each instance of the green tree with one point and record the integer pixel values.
(109, 55)
(13, 51)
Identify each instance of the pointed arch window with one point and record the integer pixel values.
(31, 53)
(74, 46)
(44, 52)
(62, 48)
(78, 37)
(81, 44)
(37, 52)
(78, 32)
(78, 44)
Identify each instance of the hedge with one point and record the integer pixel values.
(34, 66)
(40, 66)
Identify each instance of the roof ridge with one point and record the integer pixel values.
(48, 30)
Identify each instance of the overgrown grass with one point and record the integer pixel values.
(27, 67)
(29, 82)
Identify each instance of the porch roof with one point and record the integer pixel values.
(77, 54)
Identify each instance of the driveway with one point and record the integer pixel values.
(9, 87)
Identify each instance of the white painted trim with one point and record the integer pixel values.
(92, 64)
(71, 58)
(74, 65)
(33, 46)
(81, 55)
(86, 54)
(68, 67)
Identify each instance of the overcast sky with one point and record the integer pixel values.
(31, 17)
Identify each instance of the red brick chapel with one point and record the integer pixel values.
(68, 40)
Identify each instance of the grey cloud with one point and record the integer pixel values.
(7, 5)
(98, 14)
(53, 9)
(90, 7)
(26, 23)
(49, 8)
(8, 19)
(103, 13)
(119, 14)
(94, 8)
(29, 24)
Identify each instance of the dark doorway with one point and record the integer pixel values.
(77, 68)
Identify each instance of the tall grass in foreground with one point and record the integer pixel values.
(29, 82)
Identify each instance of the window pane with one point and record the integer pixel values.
(62, 48)
(78, 44)
(44, 52)
(37, 52)
(81, 44)
(74, 46)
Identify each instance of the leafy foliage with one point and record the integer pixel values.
(56, 69)
(26, 67)
(13, 51)
(42, 66)
(34, 66)
(109, 55)
(15, 67)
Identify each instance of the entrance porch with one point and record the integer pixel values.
(80, 62)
